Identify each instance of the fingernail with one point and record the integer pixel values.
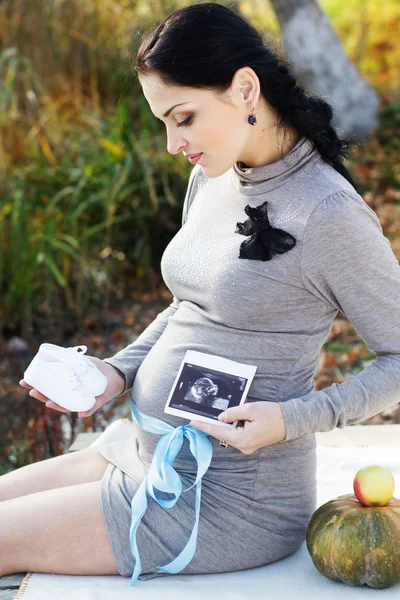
(221, 417)
(31, 393)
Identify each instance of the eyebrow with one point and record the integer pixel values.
(172, 108)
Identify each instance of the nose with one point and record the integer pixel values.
(175, 144)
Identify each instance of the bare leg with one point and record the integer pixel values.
(56, 531)
(69, 469)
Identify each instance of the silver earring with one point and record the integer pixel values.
(252, 119)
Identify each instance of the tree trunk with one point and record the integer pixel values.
(320, 64)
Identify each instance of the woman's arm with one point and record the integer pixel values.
(128, 360)
(349, 263)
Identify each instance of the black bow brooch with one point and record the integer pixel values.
(265, 241)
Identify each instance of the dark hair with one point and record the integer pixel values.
(202, 46)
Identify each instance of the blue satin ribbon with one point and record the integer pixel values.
(163, 477)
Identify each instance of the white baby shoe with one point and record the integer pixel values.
(66, 376)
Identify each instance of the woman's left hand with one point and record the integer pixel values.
(263, 426)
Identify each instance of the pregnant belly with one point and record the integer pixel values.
(189, 330)
(273, 354)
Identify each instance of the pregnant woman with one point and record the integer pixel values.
(275, 241)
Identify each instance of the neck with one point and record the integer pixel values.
(267, 143)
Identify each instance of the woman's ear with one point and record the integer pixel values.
(246, 87)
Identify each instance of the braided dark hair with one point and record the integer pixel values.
(202, 46)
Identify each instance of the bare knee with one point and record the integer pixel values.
(83, 466)
(56, 531)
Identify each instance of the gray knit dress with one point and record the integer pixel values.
(274, 314)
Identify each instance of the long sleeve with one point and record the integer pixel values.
(349, 263)
(129, 359)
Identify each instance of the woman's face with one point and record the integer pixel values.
(205, 122)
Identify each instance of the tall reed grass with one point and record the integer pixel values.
(84, 173)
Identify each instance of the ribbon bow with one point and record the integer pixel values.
(164, 478)
(265, 241)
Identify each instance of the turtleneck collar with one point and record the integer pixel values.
(252, 181)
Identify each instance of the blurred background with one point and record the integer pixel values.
(90, 197)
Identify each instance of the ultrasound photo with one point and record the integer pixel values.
(201, 392)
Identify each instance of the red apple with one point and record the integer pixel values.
(374, 485)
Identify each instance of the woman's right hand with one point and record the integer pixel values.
(115, 385)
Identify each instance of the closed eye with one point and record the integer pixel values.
(186, 122)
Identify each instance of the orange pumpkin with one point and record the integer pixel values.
(356, 544)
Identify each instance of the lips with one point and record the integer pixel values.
(194, 158)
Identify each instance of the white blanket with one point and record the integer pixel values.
(292, 578)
